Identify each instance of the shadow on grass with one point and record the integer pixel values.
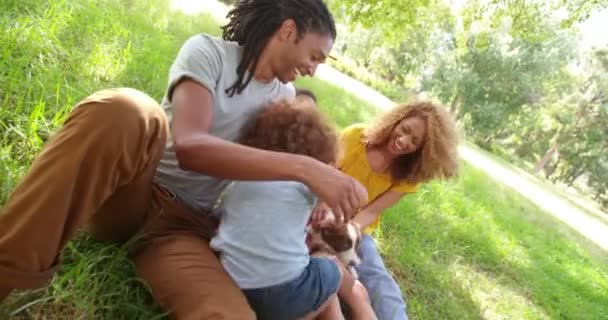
(96, 280)
(557, 274)
(560, 276)
(501, 236)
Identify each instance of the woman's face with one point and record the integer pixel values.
(407, 136)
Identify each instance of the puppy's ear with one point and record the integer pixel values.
(338, 238)
(328, 231)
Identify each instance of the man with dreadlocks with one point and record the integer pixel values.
(122, 165)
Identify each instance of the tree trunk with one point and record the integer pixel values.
(574, 175)
(540, 165)
(550, 169)
(455, 103)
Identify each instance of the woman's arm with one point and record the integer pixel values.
(198, 151)
(372, 211)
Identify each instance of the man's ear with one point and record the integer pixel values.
(288, 30)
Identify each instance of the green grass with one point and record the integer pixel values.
(466, 249)
(473, 249)
(574, 196)
(52, 54)
(344, 108)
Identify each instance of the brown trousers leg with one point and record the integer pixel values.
(97, 170)
(105, 153)
(184, 274)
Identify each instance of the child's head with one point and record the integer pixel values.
(281, 127)
(422, 138)
(306, 97)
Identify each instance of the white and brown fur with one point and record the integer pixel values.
(336, 239)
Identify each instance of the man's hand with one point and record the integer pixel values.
(341, 193)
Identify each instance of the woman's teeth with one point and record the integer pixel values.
(397, 146)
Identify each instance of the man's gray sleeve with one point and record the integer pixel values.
(199, 59)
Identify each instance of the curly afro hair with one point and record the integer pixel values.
(438, 156)
(284, 127)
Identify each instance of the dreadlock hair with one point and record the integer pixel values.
(253, 22)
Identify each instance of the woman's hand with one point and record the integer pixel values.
(372, 211)
(341, 193)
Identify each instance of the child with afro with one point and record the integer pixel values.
(262, 232)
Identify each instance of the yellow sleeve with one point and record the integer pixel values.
(352, 135)
(405, 187)
(349, 139)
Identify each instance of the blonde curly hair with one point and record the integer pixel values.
(436, 158)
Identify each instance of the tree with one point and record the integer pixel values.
(492, 75)
(502, 68)
(581, 139)
(397, 17)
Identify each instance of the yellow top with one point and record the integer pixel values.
(354, 163)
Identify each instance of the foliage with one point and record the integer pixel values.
(391, 89)
(394, 18)
(397, 18)
(494, 77)
(581, 137)
(504, 67)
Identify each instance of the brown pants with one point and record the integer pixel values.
(97, 172)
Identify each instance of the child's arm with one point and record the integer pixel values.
(319, 214)
(372, 211)
(354, 294)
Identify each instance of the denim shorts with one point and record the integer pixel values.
(298, 297)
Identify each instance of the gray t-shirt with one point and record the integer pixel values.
(212, 62)
(262, 233)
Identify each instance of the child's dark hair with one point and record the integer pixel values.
(306, 92)
(253, 22)
(284, 128)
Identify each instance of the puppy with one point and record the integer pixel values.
(340, 240)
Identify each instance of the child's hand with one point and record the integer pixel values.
(319, 214)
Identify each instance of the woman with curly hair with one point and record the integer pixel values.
(409, 145)
(261, 236)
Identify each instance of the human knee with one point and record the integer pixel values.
(25, 278)
(204, 311)
(120, 111)
(360, 292)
